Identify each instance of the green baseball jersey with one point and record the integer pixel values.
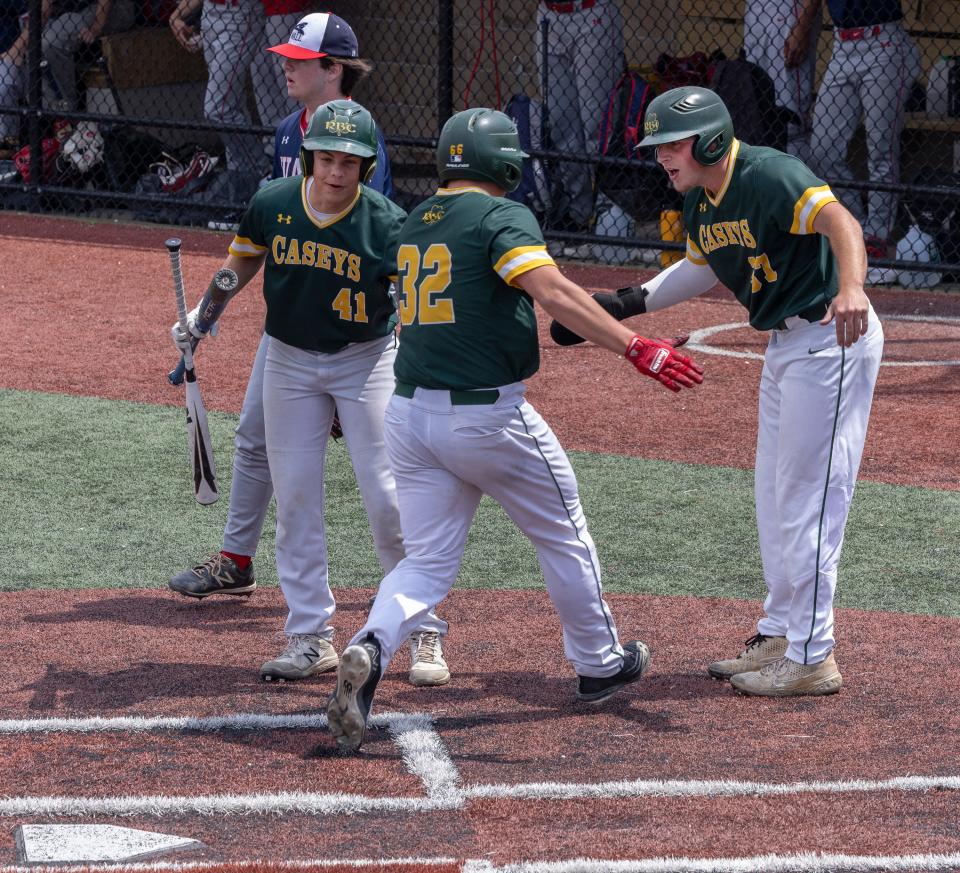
(326, 283)
(465, 322)
(756, 233)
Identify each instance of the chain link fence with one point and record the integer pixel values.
(166, 110)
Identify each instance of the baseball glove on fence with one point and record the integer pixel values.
(622, 303)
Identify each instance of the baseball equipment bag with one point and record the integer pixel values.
(750, 95)
(638, 191)
(535, 185)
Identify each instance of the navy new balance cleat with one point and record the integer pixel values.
(217, 574)
(636, 659)
(349, 705)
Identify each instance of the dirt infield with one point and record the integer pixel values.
(677, 761)
(89, 290)
(501, 765)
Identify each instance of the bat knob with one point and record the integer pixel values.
(173, 244)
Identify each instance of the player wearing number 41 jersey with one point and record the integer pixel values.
(327, 245)
(471, 263)
(764, 225)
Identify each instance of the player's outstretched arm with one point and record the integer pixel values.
(197, 327)
(569, 304)
(680, 281)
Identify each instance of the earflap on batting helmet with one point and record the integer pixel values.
(689, 112)
(481, 144)
(341, 126)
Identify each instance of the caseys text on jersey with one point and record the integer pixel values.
(711, 237)
(309, 253)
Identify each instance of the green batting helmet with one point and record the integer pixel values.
(689, 111)
(481, 144)
(341, 126)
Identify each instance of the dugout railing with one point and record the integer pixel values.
(134, 99)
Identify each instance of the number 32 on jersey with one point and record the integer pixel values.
(424, 276)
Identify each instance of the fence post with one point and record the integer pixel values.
(444, 61)
(35, 94)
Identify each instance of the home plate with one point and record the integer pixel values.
(43, 844)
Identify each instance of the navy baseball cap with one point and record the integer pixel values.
(318, 35)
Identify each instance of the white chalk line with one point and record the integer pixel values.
(148, 867)
(799, 863)
(698, 341)
(424, 755)
(421, 748)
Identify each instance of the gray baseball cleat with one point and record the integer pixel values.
(787, 678)
(305, 655)
(216, 574)
(427, 666)
(349, 705)
(759, 651)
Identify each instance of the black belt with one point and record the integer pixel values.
(811, 314)
(483, 397)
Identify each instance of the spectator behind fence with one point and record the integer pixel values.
(780, 36)
(584, 58)
(13, 46)
(269, 81)
(68, 25)
(230, 35)
(871, 72)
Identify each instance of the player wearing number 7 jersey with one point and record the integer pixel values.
(764, 225)
(327, 245)
(471, 263)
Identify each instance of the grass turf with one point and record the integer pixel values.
(96, 493)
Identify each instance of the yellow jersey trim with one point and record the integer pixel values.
(694, 255)
(243, 247)
(716, 198)
(808, 206)
(451, 192)
(309, 210)
(521, 260)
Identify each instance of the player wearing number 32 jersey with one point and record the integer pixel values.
(470, 264)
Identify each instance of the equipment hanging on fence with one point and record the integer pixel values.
(751, 97)
(535, 183)
(642, 190)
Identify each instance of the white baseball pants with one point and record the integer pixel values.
(300, 389)
(870, 78)
(584, 60)
(444, 457)
(815, 399)
(766, 26)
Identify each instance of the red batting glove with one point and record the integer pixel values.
(658, 360)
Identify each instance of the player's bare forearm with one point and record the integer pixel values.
(569, 304)
(245, 268)
(849, 308)
(845, 235)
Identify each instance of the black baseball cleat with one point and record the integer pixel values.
(349, 705)
(218, 574)
(636, 659)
